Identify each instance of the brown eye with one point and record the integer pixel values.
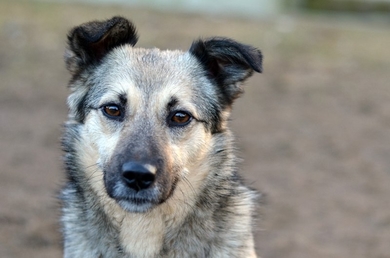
(179, 118)
(112, 111)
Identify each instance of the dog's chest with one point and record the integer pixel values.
(155, 236)
(142, 236)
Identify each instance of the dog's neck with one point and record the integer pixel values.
(150, 230)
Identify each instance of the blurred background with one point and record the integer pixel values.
(313, 129)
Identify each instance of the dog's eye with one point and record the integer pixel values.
(112, 111)
(179, 118)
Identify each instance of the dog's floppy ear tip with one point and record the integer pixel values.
(91, 41)
(227, 53)
(253, 57)
(258, 62)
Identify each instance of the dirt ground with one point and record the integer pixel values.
(313, 129)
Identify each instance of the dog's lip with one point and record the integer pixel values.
(151, 196)
(134, 198)
(138, 205)
(137, 200)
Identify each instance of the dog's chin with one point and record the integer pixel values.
(136, 206)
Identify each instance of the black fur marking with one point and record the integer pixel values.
(227, 63)
(81, 109)
(215, 118)
(123, 99)
(90, 42)
(69, 139)
(172, 102)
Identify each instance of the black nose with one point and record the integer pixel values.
(138, 176)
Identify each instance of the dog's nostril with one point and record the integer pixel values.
(138, 176)
(138, 180)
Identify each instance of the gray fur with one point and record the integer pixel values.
(197, 205)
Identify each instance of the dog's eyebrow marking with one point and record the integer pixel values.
(172, 102)
(123, 98)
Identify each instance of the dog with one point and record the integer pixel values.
(149, 159)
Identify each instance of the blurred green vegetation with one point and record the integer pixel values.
(357, 6)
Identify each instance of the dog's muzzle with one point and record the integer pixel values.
(138, 185)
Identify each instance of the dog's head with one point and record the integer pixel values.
(150, 119)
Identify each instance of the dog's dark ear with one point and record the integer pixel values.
(227, 63)
(90, 42)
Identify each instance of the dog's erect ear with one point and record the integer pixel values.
(227, 63)
(90, 42)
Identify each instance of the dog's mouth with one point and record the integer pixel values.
(136, 201)
(139, 201)
(132, 201)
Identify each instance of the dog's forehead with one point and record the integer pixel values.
(153, 76)
(148, 69)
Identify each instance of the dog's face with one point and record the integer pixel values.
(147, 110)
(149, 117)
